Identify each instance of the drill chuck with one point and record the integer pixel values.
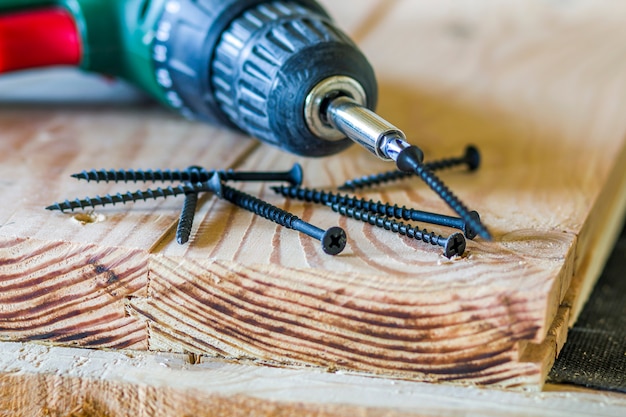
(253, 65)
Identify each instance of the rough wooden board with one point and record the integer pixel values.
(67, 279)
(367, 309)
(47, 381)
(467, 319)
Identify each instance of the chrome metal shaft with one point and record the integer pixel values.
(366, 128)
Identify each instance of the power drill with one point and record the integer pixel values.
(279, 70)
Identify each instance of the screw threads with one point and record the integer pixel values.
(375, 179)
(444, 164)
(197, 179)
(471, 158)
(259, 207)
(185, 222)
(121, 198)
(312, 195)
(455, 204)
(192, 174)
(458, 248)
(377, 207)
(333, 240)
(142, 175)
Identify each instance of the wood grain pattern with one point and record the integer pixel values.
(470, 312)
(67, 278)
(79, 383)
(551, 188)
(45, 295)
(287, 317)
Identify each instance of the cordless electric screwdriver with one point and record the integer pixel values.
(279, 70)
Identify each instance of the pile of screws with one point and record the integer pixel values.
(195, 180)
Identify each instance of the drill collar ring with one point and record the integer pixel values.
(321, 95)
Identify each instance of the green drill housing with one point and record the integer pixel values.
(116, 35)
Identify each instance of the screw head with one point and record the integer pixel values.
(410, 159)
(215, 185)
(296, 175)
(334, 240)
(470, 233)
(455, 245)
(472, 156)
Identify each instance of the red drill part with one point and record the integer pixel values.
(38, 38)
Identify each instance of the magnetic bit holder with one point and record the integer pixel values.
(335, 108)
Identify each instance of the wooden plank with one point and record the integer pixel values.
(67, 279)
(248, 290)
(367, 309)
(77, 382)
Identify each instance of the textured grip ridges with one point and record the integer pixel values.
(252, 51)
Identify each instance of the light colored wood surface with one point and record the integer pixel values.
(67, 279)
(537, 87)
(47, 381)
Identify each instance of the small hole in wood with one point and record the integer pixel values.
(88, 218)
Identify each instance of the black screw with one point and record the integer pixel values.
(452, 245)
(404, 213)
(410, 160)
(471, 158)
(438, 219)
(187, 214)
(136, 175)
(185, 221)
(293, 176)
(333, 240)
(192, 174)
(124, 198)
